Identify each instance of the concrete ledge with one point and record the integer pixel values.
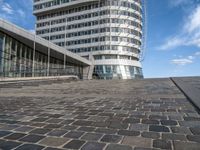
(189, 87)
(2, 80)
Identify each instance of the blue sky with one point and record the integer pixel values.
(173, 34)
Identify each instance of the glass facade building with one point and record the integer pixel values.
(20, 59)
(109, 30)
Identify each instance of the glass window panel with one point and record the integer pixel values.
(1, 52)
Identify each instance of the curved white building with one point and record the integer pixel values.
(108, 30)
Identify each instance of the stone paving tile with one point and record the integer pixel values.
(181, 130)
(4, 133)
(74, 134)
(8, 145)
(40, 131)
(9, 127)
(86, 129)
(128, 133)
(169, 122)
(118, 147)
(142, 148)
(74, 144)
(106, 131)
(32, 138)
(162, 144)
(15, 136)
(93, 145)
(157, 128)
(139, 127)
(117, 125)
(193, 138)
(57, 132)
(52, 148)
(152, 135)
(149, 121)
(83, 123)
(37, 124)
(54, 120)
(195, 130)
(30, 146)
(24, 129)
(53, 141)
(171, 136)
(111, 138)
(92, 136)
(179, 145)
(141, 115)
(53, 126)
(40, 119)
(69, 127)
(131, 120)
(137, 141)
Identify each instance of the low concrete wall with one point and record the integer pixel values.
(36, 78)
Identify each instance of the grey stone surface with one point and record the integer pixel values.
(190, 86)
(140, 114)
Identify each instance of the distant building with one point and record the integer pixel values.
(108, 30)
(22, 54)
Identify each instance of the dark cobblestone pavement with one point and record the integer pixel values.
(149, 114)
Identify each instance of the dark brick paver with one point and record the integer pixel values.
(30, 146)
(74, 144)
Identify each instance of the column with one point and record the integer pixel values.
(33, 68)
(48, 63)
(64, 61)
(2, 47)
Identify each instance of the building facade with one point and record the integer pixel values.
(22, 54)
(108, 32)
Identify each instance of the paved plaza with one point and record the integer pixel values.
(148, 114)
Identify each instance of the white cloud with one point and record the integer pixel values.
(193, 21)
(190, 34)
(175, 3)
(186, 60)
(172, 43)
(21, 13)
(181, 61)
(191, 57)
(7, 8)
(197, 54)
